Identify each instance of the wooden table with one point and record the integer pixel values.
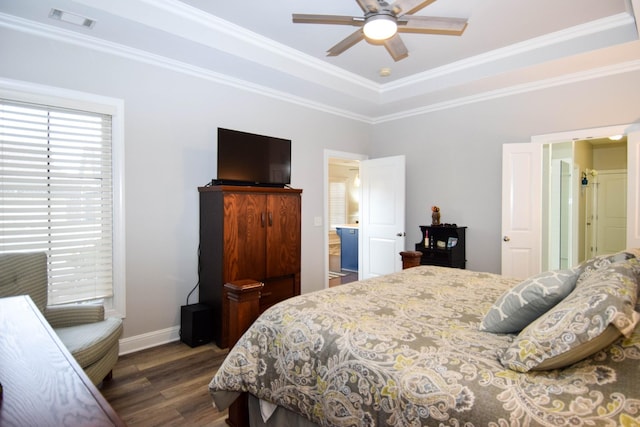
(42, 383)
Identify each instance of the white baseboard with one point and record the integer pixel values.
(148, 340)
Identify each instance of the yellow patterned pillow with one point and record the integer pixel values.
(596, 313)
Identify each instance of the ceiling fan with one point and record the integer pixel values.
(382, 22)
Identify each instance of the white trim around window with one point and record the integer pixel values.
(40, 94)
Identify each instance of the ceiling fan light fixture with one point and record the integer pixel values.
(380, 27)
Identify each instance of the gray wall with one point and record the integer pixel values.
(453, 157)
(171, 122)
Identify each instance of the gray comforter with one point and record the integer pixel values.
(405, 350)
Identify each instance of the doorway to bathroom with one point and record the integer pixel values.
(373, 191)
(344, 219)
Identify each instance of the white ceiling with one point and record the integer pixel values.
(253, 44)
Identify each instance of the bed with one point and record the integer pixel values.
(415, 348)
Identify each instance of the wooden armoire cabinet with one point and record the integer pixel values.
(248, 233)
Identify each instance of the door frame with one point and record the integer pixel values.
(632, 130)
(335, 154)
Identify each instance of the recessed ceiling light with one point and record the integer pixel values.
(616, 137)
(385, 72)
(71, 18)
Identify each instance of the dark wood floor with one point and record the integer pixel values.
(347, 277)
(166, 386)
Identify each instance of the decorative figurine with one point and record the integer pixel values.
(435, 215)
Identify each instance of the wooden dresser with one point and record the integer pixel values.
(42, 383)
(248, 233)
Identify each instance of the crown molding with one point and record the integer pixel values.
(558, 37)
(620, 68)
(93, 43)
(191, 23)
(175, 7)
(253, 46)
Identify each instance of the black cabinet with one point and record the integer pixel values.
(442, 245)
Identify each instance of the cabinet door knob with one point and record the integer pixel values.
(506, 238)
(401, 234)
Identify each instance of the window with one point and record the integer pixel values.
(58, 195)
(337, 203)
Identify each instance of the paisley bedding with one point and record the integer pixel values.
(406, 350)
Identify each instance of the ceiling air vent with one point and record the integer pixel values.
(71, 18)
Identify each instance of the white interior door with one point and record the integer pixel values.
(521, 212)
(382, 208)
(589, 222)
(633, 188)
(611, 212)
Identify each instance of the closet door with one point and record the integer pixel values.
(245, 225)
(282, 235)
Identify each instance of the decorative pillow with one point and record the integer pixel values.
(528, 300)
(596, 313)
(602, 261)
(589, 266)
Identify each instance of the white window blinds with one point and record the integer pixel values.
(337, 203)
(56, 195)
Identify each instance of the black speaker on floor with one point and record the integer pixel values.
(196, 324)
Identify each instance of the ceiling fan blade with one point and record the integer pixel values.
(396, 48)
(432, 25)
(346, 43)
(301, 18)
(369, 5)
(402, 7)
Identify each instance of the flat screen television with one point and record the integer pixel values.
(250, 159)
